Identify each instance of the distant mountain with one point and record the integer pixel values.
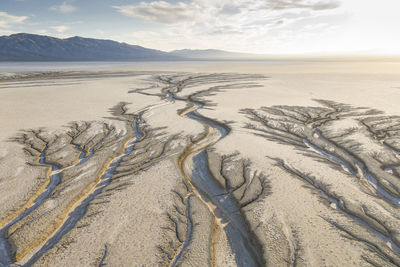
(212, 54)
(31, 47)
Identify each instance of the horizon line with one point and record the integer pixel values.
(253, 56)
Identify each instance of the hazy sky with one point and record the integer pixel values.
(256, 26)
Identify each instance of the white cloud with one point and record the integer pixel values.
(302, 4)
(100, 31)
(231, 24)
(64, 8)
(6, 32)
(171, 13)
(42, 32)
(7, 20)
(158, 11)
(61, 28)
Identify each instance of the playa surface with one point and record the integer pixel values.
(283, 163)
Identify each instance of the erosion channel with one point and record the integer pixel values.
(194, 166)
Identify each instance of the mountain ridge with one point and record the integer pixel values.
(33, 47)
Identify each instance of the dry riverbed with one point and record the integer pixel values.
(295, 165)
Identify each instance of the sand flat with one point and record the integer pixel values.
(212, 164)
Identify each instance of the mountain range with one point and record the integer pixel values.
(32, 47)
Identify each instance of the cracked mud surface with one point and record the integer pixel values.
(177, 170)
(336, 135)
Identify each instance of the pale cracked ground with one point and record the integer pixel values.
(254, 165)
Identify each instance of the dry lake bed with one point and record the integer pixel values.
(281, 163)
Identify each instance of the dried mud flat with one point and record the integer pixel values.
(194, 169)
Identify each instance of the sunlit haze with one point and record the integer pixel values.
(253, 26)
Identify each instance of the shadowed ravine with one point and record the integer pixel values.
(194, 166)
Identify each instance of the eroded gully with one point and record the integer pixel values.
(193, 164)
(78, 208)
(75, 211)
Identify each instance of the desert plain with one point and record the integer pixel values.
(281, 163)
